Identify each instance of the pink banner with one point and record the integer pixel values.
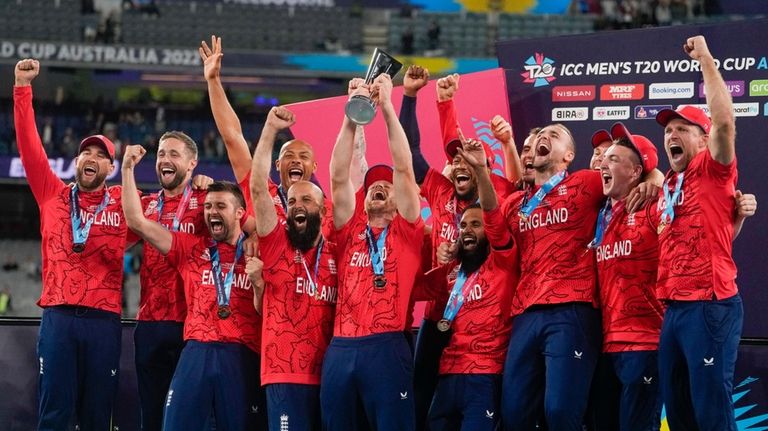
(481, 95)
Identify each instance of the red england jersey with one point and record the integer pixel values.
(446, 209)
(482, 327)
(92, 278)
(192, 258)
(298, 317)
(162, 289)
(695, 251)
(627, 260)
(555, 264)
(362, 309)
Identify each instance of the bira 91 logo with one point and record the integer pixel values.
(539, 70)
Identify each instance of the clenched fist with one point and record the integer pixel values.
(26, 70)
(133, 155)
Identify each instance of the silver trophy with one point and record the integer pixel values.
(361, 109)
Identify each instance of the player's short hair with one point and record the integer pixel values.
(475, 205)
(229, 187)
(189, 143)
(624, 142)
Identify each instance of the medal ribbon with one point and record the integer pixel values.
(283, 198)
(458, 293)
(669, 212)
(374, 250)
(536, 199)
(80, 233)
(224, 287)
(603, 220)
(179, 211)
(313, 280)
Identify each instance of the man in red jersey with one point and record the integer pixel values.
(481, 284)
(447, 198)
(555, 339)
(216, 371)
(296, 161)
(299, 269)
(83, 242)
(626, 248)
(369, 361)
(158, 337)
(702, 325)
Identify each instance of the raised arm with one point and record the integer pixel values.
(359, 163)
(266, 216)
(722, 135)
(496, 228)
(403, 179)
(150, 231)
(342, 190)
(223, 114)
(473, 153)
(502, 131)
(43, 182)
(416, 77)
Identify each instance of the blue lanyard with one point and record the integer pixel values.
(603, 220)
(458, 294)
(283, 199)
(179, 211)
(669, 212)
(224, 287)
(530, 205)
(374, 249)
(313, 280)
(80, 233)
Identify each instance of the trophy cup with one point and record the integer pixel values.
(361, 109)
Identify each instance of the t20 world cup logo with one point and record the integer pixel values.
(539, 70)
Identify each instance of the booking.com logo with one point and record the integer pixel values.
(539, 70)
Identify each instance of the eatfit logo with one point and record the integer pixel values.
(539, 70)
(610, 113)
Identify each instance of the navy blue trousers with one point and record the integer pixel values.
(626, 394)
(219, 379)
(79, 358)
(551, 358)
(426, 363)
(697, 356)
(375, 371)
(157, 347)
(294, 407)
(468, 402)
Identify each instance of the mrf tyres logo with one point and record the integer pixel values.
(539, 70)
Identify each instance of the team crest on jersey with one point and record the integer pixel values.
(276, 200)
(206, 255)
(631, 219)
(361, 236)
(111, 201)
(151, 208)
(332, 266)
(450, 206)
(562, 190)
(192, 204)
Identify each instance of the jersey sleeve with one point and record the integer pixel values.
(721, 174)
(273, 245)
(42, 180)
(181, 248)
(435, 186)
(497, 230)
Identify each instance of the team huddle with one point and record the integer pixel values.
(556, 298)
